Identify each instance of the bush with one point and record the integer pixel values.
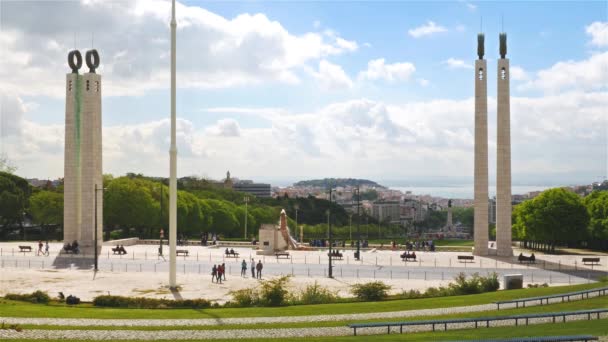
(372, 291)
(489, 283)
(34, 297)
(149, 303)
(273, 292)
(476, 284)
(244, 298)
(317, 294)
(533, 286)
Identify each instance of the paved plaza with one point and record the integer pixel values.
(142, 273)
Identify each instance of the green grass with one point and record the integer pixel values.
(21, 309)
(587, 304)
(454, 243)
(593, 327)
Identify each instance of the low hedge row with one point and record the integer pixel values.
(149, 303)
(34, 297)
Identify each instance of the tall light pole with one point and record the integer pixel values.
(358, 255)
(246, 199)
(173, 163)
(96, 256)
(296, 207)
(330, 271)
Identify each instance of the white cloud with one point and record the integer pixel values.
(598, 32)
(423, 82)
(471, 6)
(427, 29)
(354, 136)
(213, 51)
(225, 128)
(454, 63)
(332, 76)
(589, 74)
(377, 69)
(461, 28)
(518, 74)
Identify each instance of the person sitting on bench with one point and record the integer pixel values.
(75, 248)
(227, 252)
(231, 251)
(67, 247)
(122, 250)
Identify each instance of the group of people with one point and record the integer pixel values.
(205, 239)
(420, 245)
(218, 272)
(120, 249)
(46, 248)
(230, 252)
(72, 247)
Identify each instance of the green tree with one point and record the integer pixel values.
(597, 208)
(14, 199)
(46, 208)
(128, 203)
(556, 215)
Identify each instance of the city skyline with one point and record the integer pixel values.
(394, 102)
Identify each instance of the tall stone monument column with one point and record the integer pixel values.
(481, 152)
(83, 154)
(503, 155)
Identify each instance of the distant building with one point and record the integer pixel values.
(383, 211)
(492, 210)
(260, 190)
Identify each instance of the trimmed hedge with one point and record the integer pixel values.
(34, 297)
(149, 303)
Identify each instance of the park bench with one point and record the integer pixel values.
(407, 256)
(592, 261)
(181, 251)
(232, 255)
(522, 258)
(466, 258)
(335, 256)
(601, 291)
(477, 320)
(583, 338)
(282, 254)
(25, 249)
(119, 251)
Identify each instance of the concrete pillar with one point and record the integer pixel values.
(503, 162)
(71, 204)
(91, 162)
(481, 159)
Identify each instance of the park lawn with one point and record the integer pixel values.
(593, 327)
(586, 304)
(454, 243)
(22, 309)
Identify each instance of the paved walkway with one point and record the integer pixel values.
(233, 334)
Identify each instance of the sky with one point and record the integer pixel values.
(283, 91)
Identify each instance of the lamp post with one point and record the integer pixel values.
(296, 207)
(95, 227)
(358, 255)
(330, 271)
(173, 163)
(162, 232)
(246, 199)
(350, 226)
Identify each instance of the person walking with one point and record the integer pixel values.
(46, 249)
(259, 269)
(224, 270)
(220, 271)
(213, 273)
(244, 268)
(39, 247)
(252, 268)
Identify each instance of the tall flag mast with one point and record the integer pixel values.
(173, 163)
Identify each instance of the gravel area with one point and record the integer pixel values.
(238, 333)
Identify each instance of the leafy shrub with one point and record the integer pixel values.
(533, 286)
(34, 297)
(148, 303)
(489, 283)
(375, 290)
(273, 292)
(244, 298)
(317, 294)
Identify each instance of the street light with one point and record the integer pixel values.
(358, 255)
(296, 207)
(330, 271)
(246, 199)
(95, 227)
